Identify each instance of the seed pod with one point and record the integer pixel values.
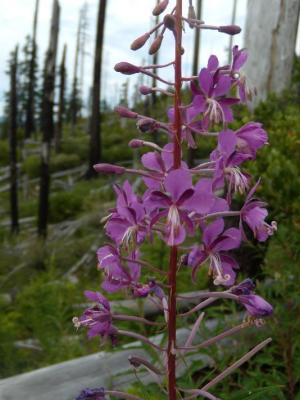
(125, 112)
(230, 29)
(160, 8)
(127, 68)
(109, 169)
(140, 41)
(155, 46)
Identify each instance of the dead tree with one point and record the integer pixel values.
(61, 105)
(95, 125)
(30, 106)
(155, 62)
(195, 71)
(47, 123)
(13, 109)
(233, 18)
(270, 37)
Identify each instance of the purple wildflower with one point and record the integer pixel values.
(159, 164)
(250, 138)
(216, 240)
(119, 274)
(92, 394)
(177, 201)
(253, 213)
(256, 305)
(245, 287)
(126, 225)
(210, 97)
(97, 319)
(227, 160)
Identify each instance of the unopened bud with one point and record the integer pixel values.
(125, 112)
(127, 68)
(170, 22)
(109, 169)
(230, 29)
(145, 90)
(146, 125)
(140, 41)
(155, 46)
(136, 143)
(160, 7)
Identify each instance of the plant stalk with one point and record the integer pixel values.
(171, 356)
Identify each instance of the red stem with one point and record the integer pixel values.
(173, 251)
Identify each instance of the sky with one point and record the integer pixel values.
(126, 20)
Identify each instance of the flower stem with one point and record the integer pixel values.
(171, 356)
(236, 365)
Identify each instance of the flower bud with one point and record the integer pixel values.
(136, 143)
(156, 45)
(160, 7)
(230, 29)
(127, 68)
(109, 169)
(146, 125)
(125, 112)
(145, 90)
(140, 41)
(170, 22)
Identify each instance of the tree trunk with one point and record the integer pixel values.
(270, 37)
(191, 152)
(30, 107)
(61, 107)
(47, 123)
(233, 18)
(74, 97)
(95, 126)
(13, 107)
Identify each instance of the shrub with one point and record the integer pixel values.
(64, 205)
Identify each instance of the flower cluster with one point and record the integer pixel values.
(178, 202)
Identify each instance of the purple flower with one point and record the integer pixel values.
(119, 274)
(246, 287)
(97, 319)
(150, 288)
(239, 58)
(92, 394)
(210, 97)
(227, 160)
(159, 165)
(216, 240)
(177, 201)
(253, 213)
(256, 305)
(126, 225)
(250, 138)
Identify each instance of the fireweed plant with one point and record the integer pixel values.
(181, 202)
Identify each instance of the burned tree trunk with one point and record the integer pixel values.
(195, 71)
(47, 123)
(13, 107)
(30, 107)
(61, 106)
(74, 106)
(233, 18)
(95, 125)
(270, 38)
